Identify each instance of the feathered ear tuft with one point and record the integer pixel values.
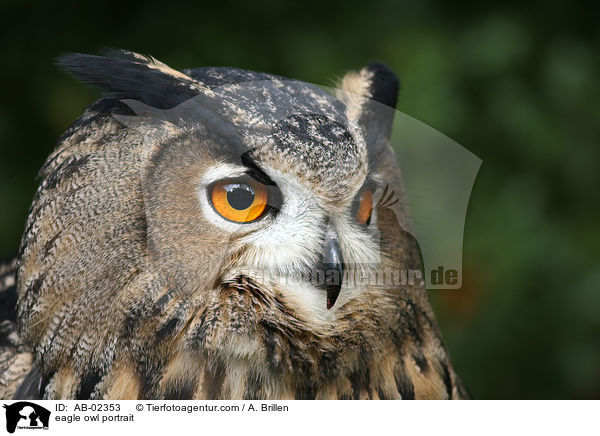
(370, 96)
(385, 85)
(374, 83)
(126, 75)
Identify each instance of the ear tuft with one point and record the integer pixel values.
(126, 75)
(370, 96)
(385, 85)
(376, 81)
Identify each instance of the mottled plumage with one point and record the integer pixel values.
(130, 284)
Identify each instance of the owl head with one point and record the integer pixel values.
(220, 233)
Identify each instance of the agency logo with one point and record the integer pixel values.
(26, 415)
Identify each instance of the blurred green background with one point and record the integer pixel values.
(517, 85)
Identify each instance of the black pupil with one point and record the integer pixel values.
(239, 196)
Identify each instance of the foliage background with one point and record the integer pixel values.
(516, 84)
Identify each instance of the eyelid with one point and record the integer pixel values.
(371, 184)
(260, 177)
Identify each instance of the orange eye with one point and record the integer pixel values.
(242, 201)
(365, 207)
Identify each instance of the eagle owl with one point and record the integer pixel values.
(193, 236)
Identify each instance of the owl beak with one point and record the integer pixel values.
(334, 270)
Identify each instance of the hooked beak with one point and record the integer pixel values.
(333, 268)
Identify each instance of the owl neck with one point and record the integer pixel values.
(239, 343)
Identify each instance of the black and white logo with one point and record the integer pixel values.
(26, 415)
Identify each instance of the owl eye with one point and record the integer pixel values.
(239, 200)
(364, 207)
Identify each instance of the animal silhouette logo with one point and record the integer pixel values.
(24, 414)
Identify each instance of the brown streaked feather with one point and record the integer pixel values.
(16, 358)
